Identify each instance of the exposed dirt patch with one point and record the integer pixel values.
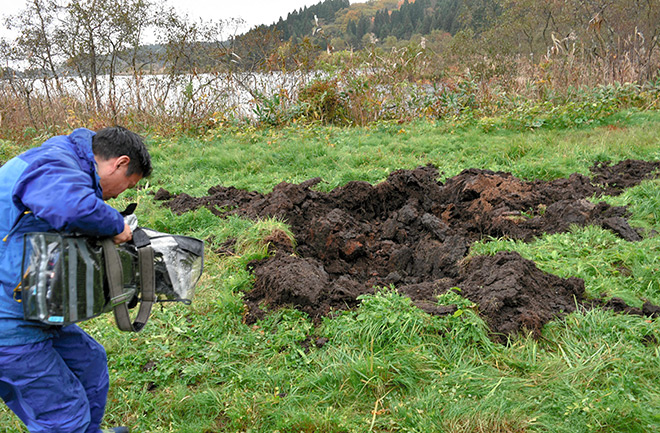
(415, 232)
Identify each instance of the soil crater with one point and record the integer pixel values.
(414, 232)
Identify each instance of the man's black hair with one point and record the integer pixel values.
(116, 141)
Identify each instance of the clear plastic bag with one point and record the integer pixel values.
(178, 264)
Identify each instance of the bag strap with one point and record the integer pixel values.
(118, 298)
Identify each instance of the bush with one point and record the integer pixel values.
(322, 101)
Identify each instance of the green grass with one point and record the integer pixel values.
(258, 159)
(387, 366)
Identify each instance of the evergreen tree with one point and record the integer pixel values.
(382, 24)
(362, 27)
(426, 25)
(446, 14)
(351, 29)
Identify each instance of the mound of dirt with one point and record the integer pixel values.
(414, 232)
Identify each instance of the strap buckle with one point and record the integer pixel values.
(114, 275)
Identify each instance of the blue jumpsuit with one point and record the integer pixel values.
(54, 378)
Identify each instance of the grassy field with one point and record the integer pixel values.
(389, 367)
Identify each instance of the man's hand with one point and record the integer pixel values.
(124, 236)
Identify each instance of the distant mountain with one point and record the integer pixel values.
(339, 20)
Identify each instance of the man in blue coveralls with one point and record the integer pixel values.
(55, 379)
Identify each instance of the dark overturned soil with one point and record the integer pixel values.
(414, 232)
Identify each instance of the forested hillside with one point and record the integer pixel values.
(623, 27)
(383, 18)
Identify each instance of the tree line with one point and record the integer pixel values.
(90, 37)
(612, 31)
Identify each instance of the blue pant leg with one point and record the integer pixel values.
(87, 359)
(41, 390)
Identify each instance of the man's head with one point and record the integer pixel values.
(122, 159)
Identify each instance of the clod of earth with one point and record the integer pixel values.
(414, 232)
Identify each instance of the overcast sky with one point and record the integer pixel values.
(253, 12)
